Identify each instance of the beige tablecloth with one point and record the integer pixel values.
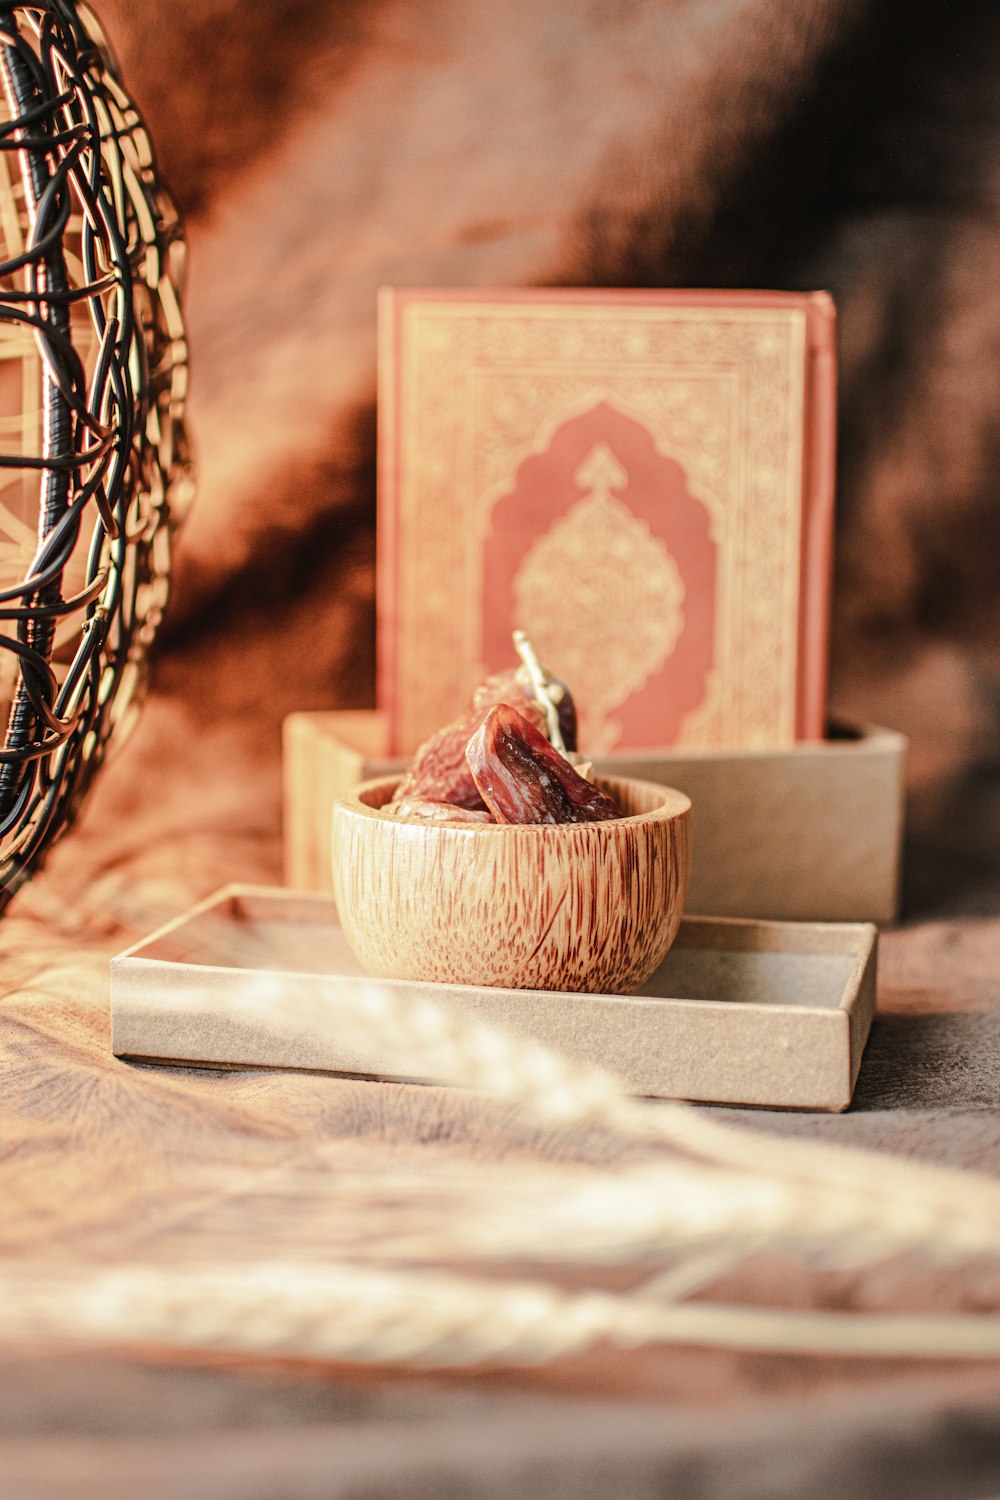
(103, 1161)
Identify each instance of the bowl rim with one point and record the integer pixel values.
(676, 804)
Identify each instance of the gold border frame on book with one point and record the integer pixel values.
(473, 384)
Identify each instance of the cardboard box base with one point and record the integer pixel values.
(758, 1013)
(808, 833)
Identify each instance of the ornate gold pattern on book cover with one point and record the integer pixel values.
(485, 389)
(628, 588)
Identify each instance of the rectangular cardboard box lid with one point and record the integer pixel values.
(762, 1013)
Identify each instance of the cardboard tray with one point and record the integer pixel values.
(760, 1013)
(808, 833)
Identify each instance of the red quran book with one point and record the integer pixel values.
(641, 480)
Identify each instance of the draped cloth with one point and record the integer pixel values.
(318, 151)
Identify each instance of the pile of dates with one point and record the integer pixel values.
(497, 762)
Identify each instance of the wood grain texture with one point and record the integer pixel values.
(590, 907)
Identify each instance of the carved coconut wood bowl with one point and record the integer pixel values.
(583, 906)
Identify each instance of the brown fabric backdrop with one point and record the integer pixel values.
(320, 149)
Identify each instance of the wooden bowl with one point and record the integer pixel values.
(581, 906)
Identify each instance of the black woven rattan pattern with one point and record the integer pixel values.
(92, 260)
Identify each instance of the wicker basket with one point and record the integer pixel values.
(94, 469)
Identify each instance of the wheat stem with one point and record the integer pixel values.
(356, 1314)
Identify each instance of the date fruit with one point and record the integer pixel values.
(514, 687)
(440, 771)
(522, 779)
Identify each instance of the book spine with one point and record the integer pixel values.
(819, 485)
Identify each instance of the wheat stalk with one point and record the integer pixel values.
(363, 1315)
(642, 1214)
(789, 1191)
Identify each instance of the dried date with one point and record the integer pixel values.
(514, 687)
(440, 771)
(522, 779)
